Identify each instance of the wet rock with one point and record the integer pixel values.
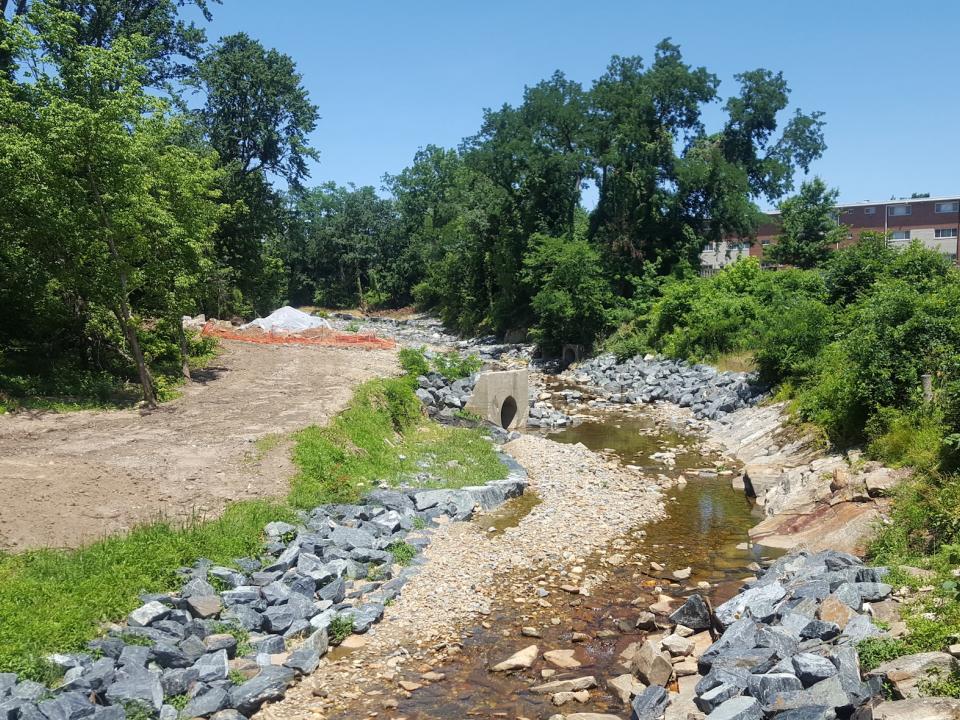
(562, 698)
(519, 660)
(694, 614)
(563, 659)
(570, 685)
(905, 673)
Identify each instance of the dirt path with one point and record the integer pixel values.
(70, 478)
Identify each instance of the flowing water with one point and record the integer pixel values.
(705, 528)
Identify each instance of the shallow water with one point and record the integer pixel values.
(705, 528)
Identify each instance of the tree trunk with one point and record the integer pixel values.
(184, 350)
(130, 333)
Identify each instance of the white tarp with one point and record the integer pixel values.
(288, 319)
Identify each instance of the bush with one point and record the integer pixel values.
(791, 337)
(452, 365)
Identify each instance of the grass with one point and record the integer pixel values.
(403, 552)
(383, 436)
(263, 446)
(742, 361)
(55, 601)
(340, 627)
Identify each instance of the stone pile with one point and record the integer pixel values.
(709, 393)
(788, 642)
(234, 638)
(442, 397)
(543, 414)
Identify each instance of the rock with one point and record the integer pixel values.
(677, 646)
(834, 610)
(228, 714)
(738, 708)
(519, 660)
(270, 684)
(562, 659)
(918, 709)
(811, 669)
(350, 538)
(66, 706)
(409, 686)
(562, 698)
(208, 703)
(651, 666)
(905, 673)
(204, 606)
(571, 685)
(715, 697)
(766, 687)
(136, 686)
(694, 614)
(304, 659)
(808, 712)
(650, 704)
(873, 591)
(681, 574)
(213, 667)
(530, 632)
(646, 621)
(145, 615)
(625, 687)
(733, 609)
(586, 716)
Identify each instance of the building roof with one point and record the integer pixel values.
(900, 201)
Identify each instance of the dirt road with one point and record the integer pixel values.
(67, 479)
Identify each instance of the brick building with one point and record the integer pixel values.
(934, 221)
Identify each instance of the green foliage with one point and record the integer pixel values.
(54, 601)
(878, 650)
(809, 227)
(341, 626)
(403, 552)
(452, 365)
(571, 294)
(179, 702)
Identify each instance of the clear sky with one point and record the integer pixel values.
(390, 76)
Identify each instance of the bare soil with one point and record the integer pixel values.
(68, 479)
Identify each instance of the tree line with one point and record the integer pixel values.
(149, 174)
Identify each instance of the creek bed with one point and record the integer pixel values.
(705, 528)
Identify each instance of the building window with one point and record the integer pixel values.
(765, 243)
(898, 210)
(947, 207)
(870, 211)
(945, 233)
(900, 235)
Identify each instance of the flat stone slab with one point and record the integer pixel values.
(844, 526)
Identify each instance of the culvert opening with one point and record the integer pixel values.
(569, 357)
(508, 411)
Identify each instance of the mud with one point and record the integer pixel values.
(67, 479)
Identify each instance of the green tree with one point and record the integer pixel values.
(258, 117)
(571, 295)
(125, 215)
(808, 227)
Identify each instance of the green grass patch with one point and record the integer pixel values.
(403, 552)
(452, 365)
(54, 601)
(340, 627)
(383, 436)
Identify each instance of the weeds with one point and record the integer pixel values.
(403, 552)
(340, 628)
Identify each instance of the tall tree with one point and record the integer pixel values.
(808, 226)
(258, 117)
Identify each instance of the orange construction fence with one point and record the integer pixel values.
(319, 336)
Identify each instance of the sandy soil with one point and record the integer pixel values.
(67, 479)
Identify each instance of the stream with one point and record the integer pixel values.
(705, 528)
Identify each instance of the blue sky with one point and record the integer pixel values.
(390, 77)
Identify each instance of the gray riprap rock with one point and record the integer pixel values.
(207, 704)
(651, 704)
(213, 666)
(197, 586)
(766, 687)
(738, 708)
(720, 676)
(715, 697)
(168, 712)
(873, 591)
(134, 656)
(847, 662)
(276, 593)
(811, 668)
(245, 617)
(221, 641)
(694, 614)
(905, 673)
(136, 686)
(29, 690)
(269, 644)
(241, 595)
(270, 684)
(228, 714)
(849, 595)
(809, 712)
(827, 692)
(819, 630)
(168, 655)
(772, 636)
(278, 618)
(859, 628)
(741, 635)
(733, 609)
(229, 578)
(67, 706)
(278, 529)
(334, 591)
(350, 538)
(193, 647)
(178, 681)
(303, 660)
(32, 712)
(366, 615)
(7, 681)
(146, 614)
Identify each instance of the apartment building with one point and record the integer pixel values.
(934, 221)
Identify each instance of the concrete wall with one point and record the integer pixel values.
(502, 397)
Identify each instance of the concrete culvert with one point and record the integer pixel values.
(508, 411)
(569, 357)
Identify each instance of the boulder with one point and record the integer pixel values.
(270, 684)
(147, 614)
(563, 659)
(734, 608)
(570, 685)
(625, 687)
(651, 666)
(693, 614)
(811, 669)
(206, 704)
(651, 704)
(918, 709)
(138, 687)
(905, 673)
(738, 708)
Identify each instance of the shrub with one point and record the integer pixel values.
(791, 336)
